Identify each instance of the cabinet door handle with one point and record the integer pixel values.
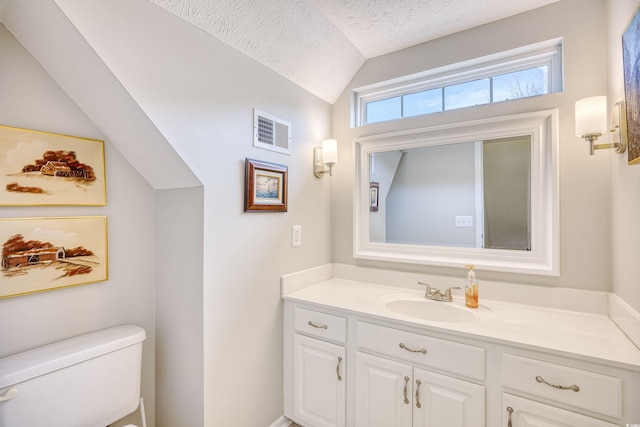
(422, 350)
(418, 405)
(317, 326)
(338, 368)
(561, 387)
(510, 411)
(406, 384)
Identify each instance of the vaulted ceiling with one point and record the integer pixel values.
(321, 44)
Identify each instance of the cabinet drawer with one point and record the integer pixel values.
(322, 325)
(524, 412)
(595, 392)
(440, 354)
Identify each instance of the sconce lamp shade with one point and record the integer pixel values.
(330, 152)
(591, 116)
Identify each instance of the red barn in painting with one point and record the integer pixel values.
(33, 256)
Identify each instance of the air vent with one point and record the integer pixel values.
(271, 133)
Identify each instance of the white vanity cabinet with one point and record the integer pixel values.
(349, 364)
(392, 388)
(317, 385)
(389, 393)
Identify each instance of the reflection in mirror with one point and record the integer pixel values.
(483, 192)
(471, 194)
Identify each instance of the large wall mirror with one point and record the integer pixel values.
(482, 192)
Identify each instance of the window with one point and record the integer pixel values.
(520, 73)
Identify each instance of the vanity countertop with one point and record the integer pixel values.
(587, 336)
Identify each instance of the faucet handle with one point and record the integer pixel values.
(429, 291)
(447, 293)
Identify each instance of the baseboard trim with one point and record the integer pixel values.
(281, 422)
(625, 317)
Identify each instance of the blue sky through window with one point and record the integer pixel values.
(425, 102)
(385, 109)
(521, 84)
(502, 87)
(476, 92)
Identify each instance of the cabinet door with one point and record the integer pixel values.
(383, 392)
(519, 412)
(443, 401)
(319, 383)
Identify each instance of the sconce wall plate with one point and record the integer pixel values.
(325, 156)
(319, 169)
(619, 127)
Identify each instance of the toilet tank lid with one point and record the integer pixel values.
(29, 364)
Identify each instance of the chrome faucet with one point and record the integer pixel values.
(437, 294)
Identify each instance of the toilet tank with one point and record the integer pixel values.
(85, 381)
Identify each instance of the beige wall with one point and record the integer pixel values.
(218, 312)
(625, 179)
(584, 180)
(32, 100)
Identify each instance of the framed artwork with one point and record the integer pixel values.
(40, 168)
(265, 187)
(374, 194)
(631, 68)
(42, 254)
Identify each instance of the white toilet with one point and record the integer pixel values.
(87, 381)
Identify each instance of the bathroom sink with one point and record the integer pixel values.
(419, 307)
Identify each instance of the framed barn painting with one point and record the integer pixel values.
(40, 168)
(42, 254)
(265, 187)
(631, 69)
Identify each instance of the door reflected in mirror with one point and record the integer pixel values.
(469, 194)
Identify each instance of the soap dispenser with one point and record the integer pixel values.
(471, 289)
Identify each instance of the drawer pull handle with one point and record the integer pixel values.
(338, 368)
(406, 383)
(561, 387)
(418, 405)
(317, 326)
(510, 411)
(422, 350)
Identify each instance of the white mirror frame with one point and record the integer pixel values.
(543, 259)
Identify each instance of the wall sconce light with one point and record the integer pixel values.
(591, 123)
(324, 156)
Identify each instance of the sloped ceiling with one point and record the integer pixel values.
(321, 44)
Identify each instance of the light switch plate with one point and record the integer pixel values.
(464, 221)
(296, 235)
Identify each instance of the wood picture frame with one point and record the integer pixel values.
(42, 168)
(374, 195)
(265, 186)
(43, 254)
(631, 70)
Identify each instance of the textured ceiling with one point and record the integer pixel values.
(321, 44)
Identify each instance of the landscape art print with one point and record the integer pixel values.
(265, 186)
(631, 67)
(40, 168)
(41, 254)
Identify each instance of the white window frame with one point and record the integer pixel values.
(547, 53)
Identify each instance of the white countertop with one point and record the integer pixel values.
(588, 336)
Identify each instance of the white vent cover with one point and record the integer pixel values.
(271, 133)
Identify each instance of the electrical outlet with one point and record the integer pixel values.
(296, 235)
(464, 221)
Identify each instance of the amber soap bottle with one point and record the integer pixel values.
(471, 289)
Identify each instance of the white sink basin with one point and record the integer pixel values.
(419, 307)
